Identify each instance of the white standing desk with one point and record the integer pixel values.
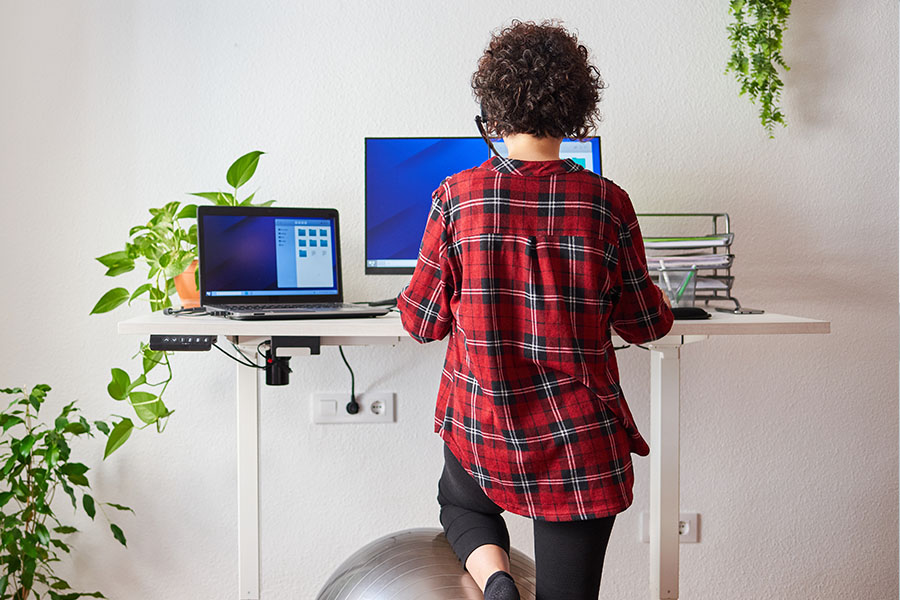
(665, 399)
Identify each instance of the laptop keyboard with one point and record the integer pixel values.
(305, 306)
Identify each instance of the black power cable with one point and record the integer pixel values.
(353, 405)
(236, 359)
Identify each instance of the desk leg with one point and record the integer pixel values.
(665, 395)
(248, 482)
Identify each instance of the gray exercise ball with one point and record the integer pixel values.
(415, 564)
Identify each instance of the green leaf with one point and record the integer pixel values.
(267, 203)
(141, 290)
(102, 427)
(123, 267)
(110, 300)
(74, 469)
(151, 359)
(118, 506)
(248, 201)
(76, 428)
(217, 198)
(113, 258)
(188, 212)
(179, 265)
(119, 386)
(88, 502)
(10, 421)
(69, 491)
(43, 535)
(120, 434)
(10, 463)
(243, 169)
(147, 406)
(60, 423)
(64, 529)
(52, 456)
(27, 445)
(11, 391)
(4, 498)
(117, 533)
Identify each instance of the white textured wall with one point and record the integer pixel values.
(789, 444)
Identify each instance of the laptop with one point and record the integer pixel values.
(273, 263)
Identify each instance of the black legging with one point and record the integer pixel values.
(568, 555)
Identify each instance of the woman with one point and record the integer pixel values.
(527, 262)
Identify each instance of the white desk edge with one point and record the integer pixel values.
(390, 326)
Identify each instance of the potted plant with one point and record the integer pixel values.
(167, 245)
(37, 460)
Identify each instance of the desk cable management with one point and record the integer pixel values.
(352, 406)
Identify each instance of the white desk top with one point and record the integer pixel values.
(389, 326)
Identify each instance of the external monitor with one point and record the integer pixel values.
(401, 174)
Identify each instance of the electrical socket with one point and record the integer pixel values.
(374, 407)
(688, 528)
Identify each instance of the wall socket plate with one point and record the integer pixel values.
(374, 407)
(688, 528)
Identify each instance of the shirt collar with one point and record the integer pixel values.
(514, 166)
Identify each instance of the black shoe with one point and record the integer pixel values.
(501, 586)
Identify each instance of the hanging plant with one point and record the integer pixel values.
(756, 35)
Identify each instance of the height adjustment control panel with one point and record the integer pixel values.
(182, 343)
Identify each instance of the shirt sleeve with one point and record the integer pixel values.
(424, 305)
(640, 313)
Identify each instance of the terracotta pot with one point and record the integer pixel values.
(186, 287)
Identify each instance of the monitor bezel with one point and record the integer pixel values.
(279, 212)
(411, 270)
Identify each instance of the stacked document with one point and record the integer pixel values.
(708, 255)
(706, 261)
(689, 243)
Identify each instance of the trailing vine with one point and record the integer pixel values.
(756, 36)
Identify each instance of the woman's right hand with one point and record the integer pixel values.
(665, 297)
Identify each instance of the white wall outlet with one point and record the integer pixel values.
(688, 528)
(374, 407)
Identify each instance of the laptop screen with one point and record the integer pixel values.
(250, 255)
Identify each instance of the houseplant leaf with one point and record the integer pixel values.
(243, 169)
(117, 533)
(119, 435)
(118, 387)
(110, 300)
(88, 502)
(217, 198)
(113, 258)
(142, 289)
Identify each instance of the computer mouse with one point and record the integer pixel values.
(689, 312)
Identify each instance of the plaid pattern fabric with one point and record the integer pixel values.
(527, 265)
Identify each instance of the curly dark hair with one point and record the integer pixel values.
(537, 79)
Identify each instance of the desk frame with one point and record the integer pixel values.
(665, 403)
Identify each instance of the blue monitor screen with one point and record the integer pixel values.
(402, 173)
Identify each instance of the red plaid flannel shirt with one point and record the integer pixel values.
(526, 265)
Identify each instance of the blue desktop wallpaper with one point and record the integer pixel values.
(239, 253)
(401, 174)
